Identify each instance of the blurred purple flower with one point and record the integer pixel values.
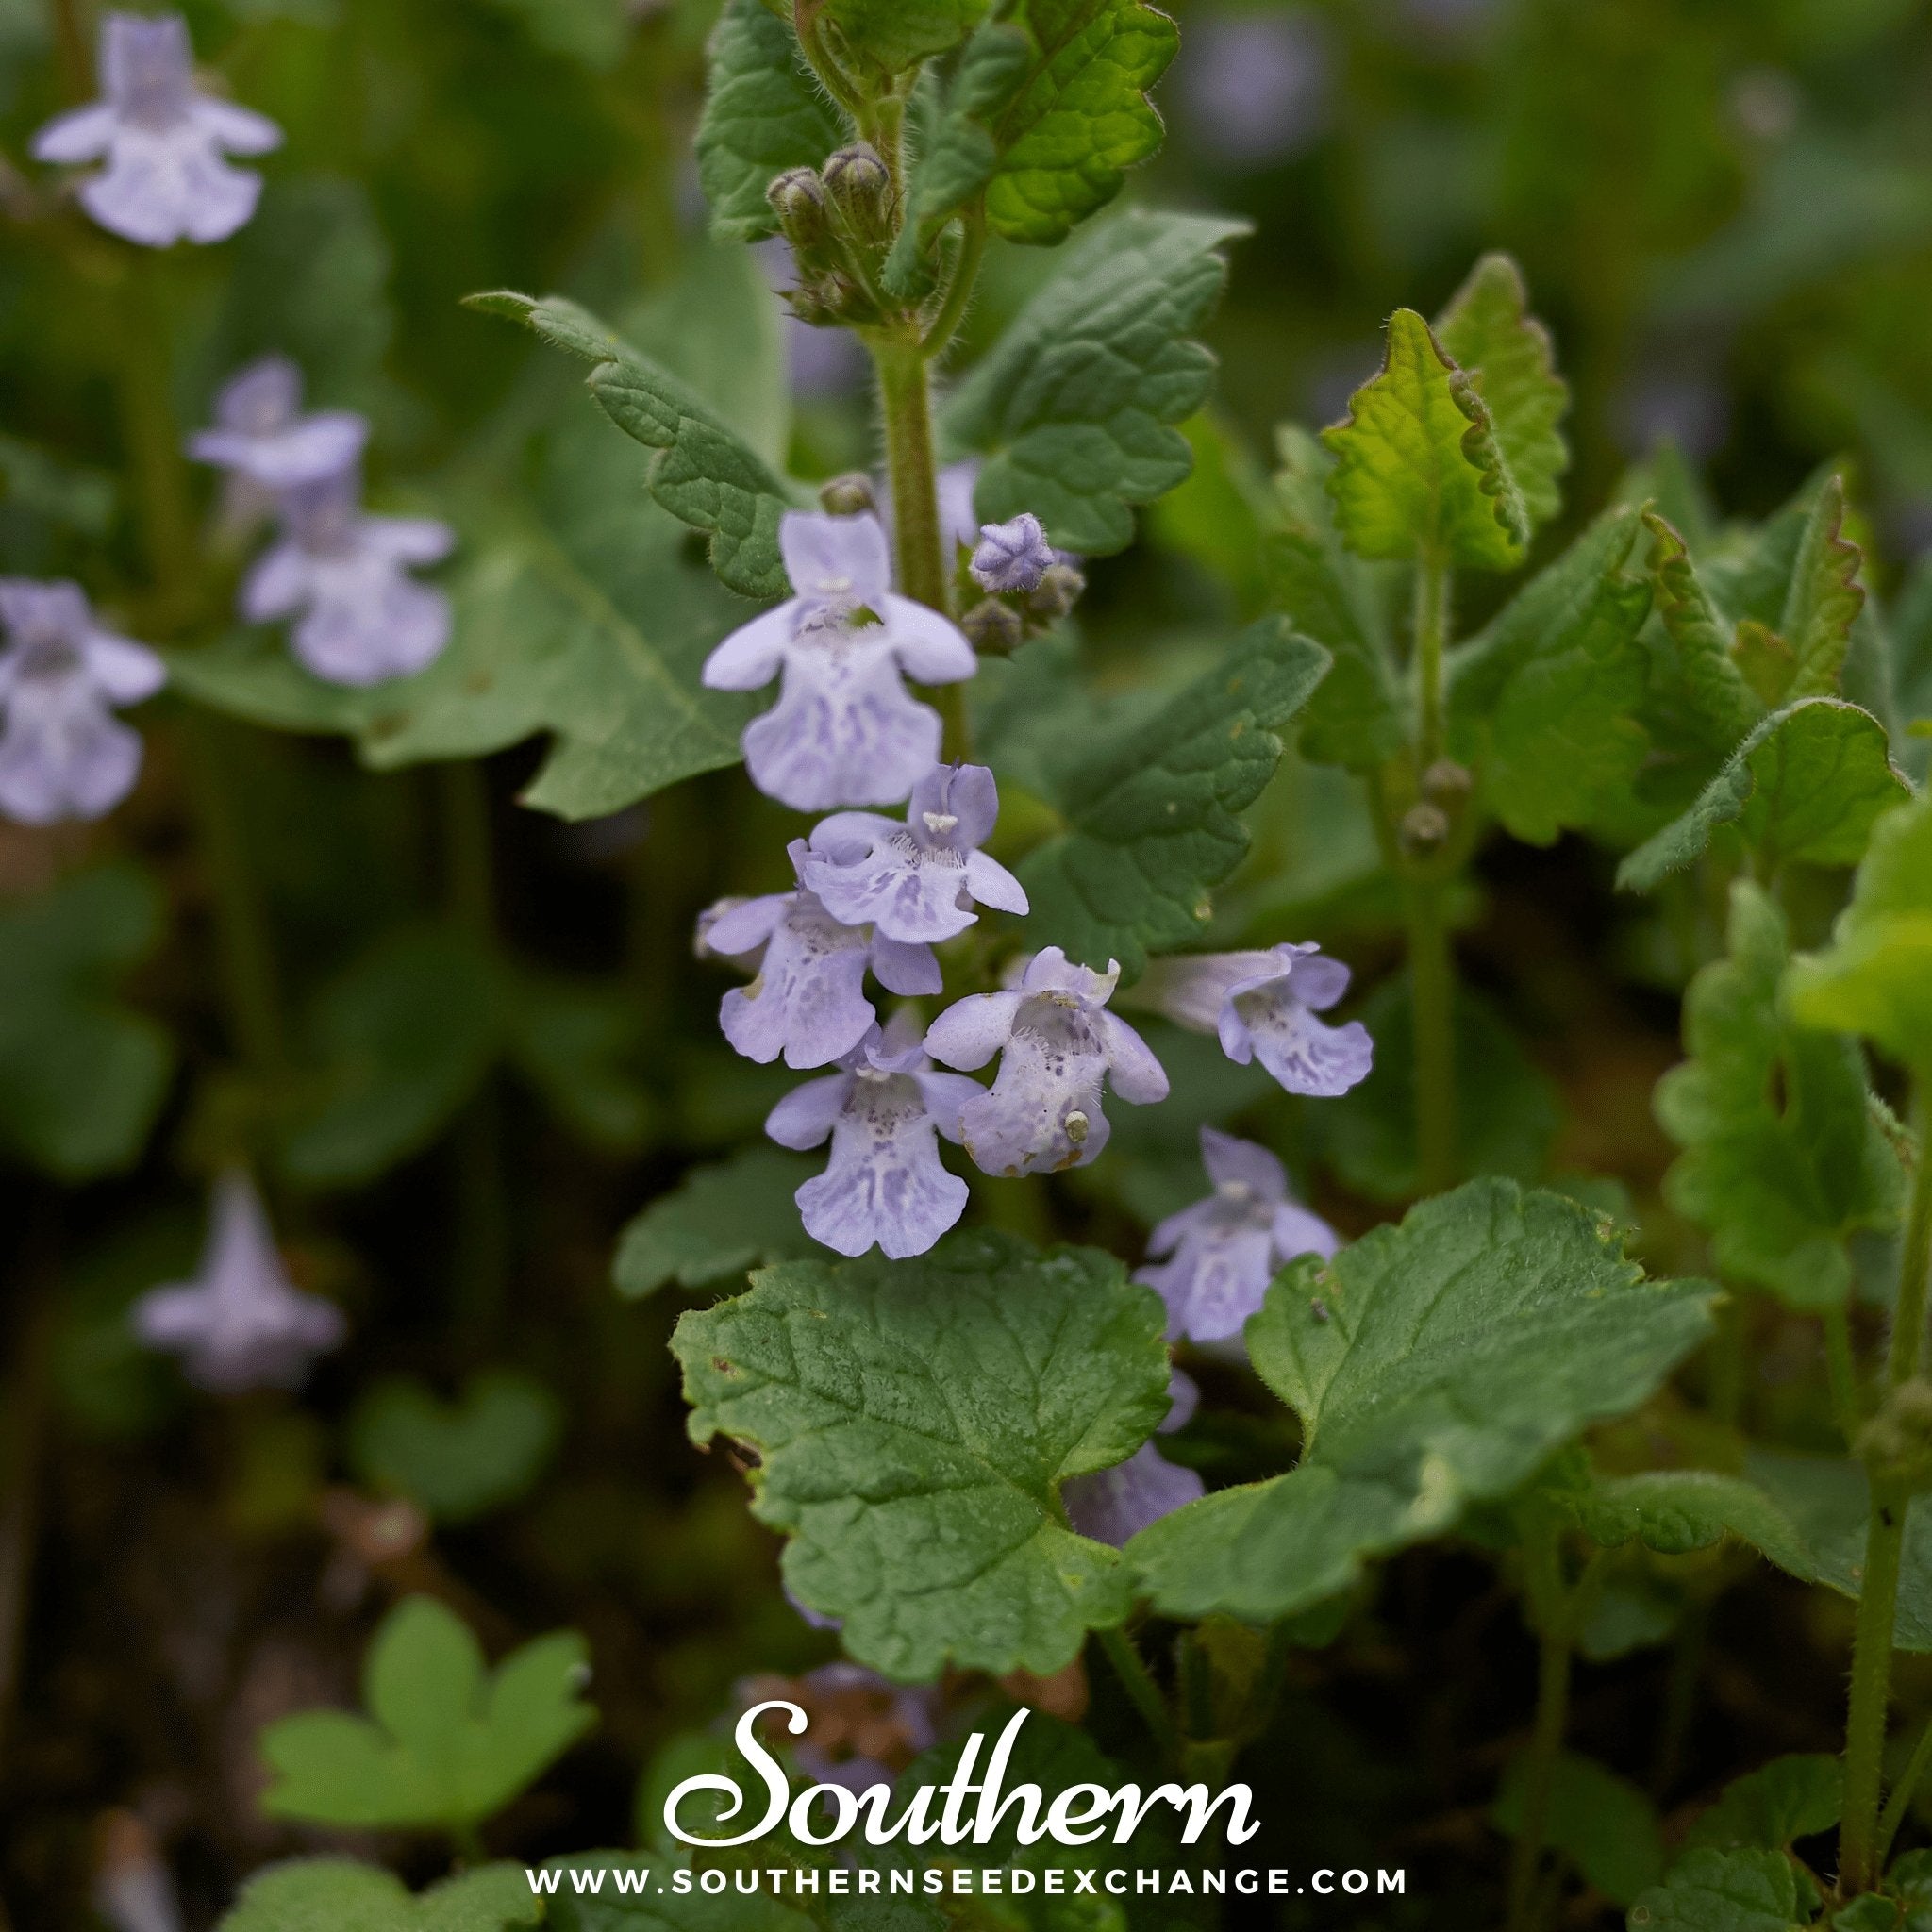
(262, 434)
(806, 1001)
(1013, 555)
(919, 880)
(844, 731)
(163, 142)
(240, 1325)
(63, 754)
(1114, 1504)
(861, 1728)
(1263, 1006)
(1058, 1044)
(363, 620)
(1255, 87)
(885, 1184)
(1689, 409)
(1214, 1261)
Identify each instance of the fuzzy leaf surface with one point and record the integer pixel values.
(763, 113)
(1075, 405)
(1543, 702)
(1804, 787)
(1792, 1797)
(341, 1895)
(913, 1420)
(448, 1742)
(1150, 807)
(1459, 1349)
(1489, 331)
(893, 35)
(717, 1223)
(1782, 1158)
(1418, 471)
(1725, 1892)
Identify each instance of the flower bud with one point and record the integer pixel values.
(849, 495)
(798, 199)
(827, 300)
(1446, 783)
(993, 628)
(1056, 592)
(861, 191)
(1013, 555)
(1424, 828)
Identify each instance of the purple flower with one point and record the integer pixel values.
(844, 731)
(63, 754)
(1058, 1044)
(164, 142)
(807, 1001)
(1263, 1006)
(919, 880)
(262, 434)
(1214, 1261)
(362, 620)
(1013, 555)
(240, 1324)
(884, 1112)
(958, 519)
(1116, 1504)
(861, 1728)
(1260, 86)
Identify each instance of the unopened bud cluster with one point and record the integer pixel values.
(1029, 584)
(838, 221)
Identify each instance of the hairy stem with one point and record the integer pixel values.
(1552, 1718)
(1432, 989)
(1137, 1681)
(1842, 1371)
(1901, 1793)
(1860, 1851)
(952, 308)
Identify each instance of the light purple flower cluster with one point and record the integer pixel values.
(845, 730)
(1114, 1504)
(341, 572)
(164, 142)
(63, 754)
(1212, 1262)
(241, 1324)
(1262, 1004)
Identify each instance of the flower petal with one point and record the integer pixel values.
(808, 1113)
(1303, 1053)
(885, 1184)
(752, 655)
(972, 1030)
(992, 884)
(842, 560)
(906, 969)
(1118, 1503)
(1234, 1162)
(931, 646)
(1138, 1076)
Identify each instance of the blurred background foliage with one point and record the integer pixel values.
(486, 1045)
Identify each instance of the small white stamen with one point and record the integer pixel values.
(940, 822)
(1076, 1128)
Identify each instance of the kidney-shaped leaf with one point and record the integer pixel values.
(341, 1895)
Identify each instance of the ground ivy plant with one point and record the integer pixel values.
(997, 921)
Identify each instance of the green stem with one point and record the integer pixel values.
(153, 436)
(1432, 990)
(805, 23)
(1872, 1641)
(1901, 1798)
(1137, 1681)
(952, 308)
(1842, 1371)
(1559, 1609)
(250, 983)
(1431, 640)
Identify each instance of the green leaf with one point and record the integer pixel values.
(340, 1895)
(575, 1042)
(1359, 716)
(1450, 1357)
(1791, 1797)
(1876, 977)
(1488, 330)
(1829, 1502)
(1783, 1158)
(913, 1420)
(892, 35)
(456, 1459)
(1606, 1825)
(1824, 599)
(1073, 405)
(1150, 809)
(703, 472)
(1803, 789)
(447, 1743)
(404, 1038)
(1700, 637)
(764, 114)
(1419, 472)
(660, 1909)
(1724, 1891)
(1048, 109)
(1544, 701)
(1509, 1108)
(717, 1223)
(82, 1076)
(1676, 1512)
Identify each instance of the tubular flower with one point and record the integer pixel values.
(1013, 555)
(262, 434)
(63, 754)
(807, 1000)
(166, 179)
(883, 1111)
(362, 620)
(1214, 1261)
(240, 1324)
(1058, 1045)
(919, 880)
(1116, 1504)
(844, 731)
(1263, 1003)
